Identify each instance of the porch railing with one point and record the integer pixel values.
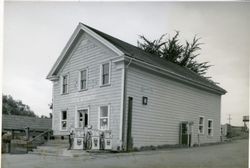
(39, 139)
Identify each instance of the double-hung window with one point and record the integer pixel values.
(105, 74)
(83, 75)
(104, 112)
(64, 120)
(201, 125)
(210, 127)
(65, 84)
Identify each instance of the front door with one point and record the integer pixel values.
(83, 118)
(185, 134)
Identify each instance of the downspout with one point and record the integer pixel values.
(124, 95)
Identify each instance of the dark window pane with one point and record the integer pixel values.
(209, 123)
(83, 84)
(86, 119)
(201, 120)
(105, 79)
(64, 115)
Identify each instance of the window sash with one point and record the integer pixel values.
(63, 120)
(83, 79)
(105, 79)
(104, 119)
(201, 125)
(210, 127)
(65, 84)
(105, 74)
(64, 115)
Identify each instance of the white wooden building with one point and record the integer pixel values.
(102, 81)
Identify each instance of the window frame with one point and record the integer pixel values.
(203, 125)
(77, 123)
(99, 117)
(101, 74)
(62, 84)
(211, 127)
(79, 79)
(61, 120)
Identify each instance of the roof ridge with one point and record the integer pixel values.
(170, 66)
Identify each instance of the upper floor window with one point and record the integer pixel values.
(210, 127)
(64, 84)
(105, 74)
(83, 75)
(63, 120)
(201, 125)
(104, 112)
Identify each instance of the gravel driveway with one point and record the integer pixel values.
(230, 155)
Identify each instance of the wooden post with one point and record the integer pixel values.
(12, 134)
(27, 131)
(129, 126)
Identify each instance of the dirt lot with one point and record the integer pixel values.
(230, 155)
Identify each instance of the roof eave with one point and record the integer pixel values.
(177, 77)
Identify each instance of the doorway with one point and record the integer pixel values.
(83, 118)
(185, 133)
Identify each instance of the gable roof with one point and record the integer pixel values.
(18, 122)
(132, 51)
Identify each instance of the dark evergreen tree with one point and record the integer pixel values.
(15, 107)
(172, 50)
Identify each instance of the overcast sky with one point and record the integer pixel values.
(36, 32)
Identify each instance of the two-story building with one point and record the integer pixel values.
(143, 100)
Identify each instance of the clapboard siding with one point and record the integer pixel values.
(169, 103)
(88, 53)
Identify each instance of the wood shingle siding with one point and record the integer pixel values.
(169, 103)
